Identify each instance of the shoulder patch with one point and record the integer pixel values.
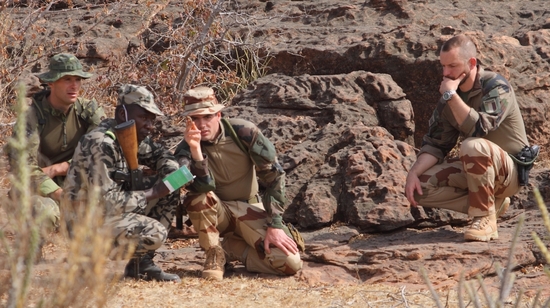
(492, 105)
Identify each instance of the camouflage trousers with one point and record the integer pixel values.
(481, 177)
(47, 210)
(243, 227)
(146, 230)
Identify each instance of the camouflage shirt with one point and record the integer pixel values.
(494, 115)
(53, 136)
(95, 160)
(233, 174)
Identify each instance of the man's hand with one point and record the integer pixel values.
(158, 191)
(279, 239)
(56, 195)
(56, 169)
(423, 162)
(448, 84)
(192, 136)
(412, 185)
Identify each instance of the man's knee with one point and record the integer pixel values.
(293, 263)
(276, 263)
(200, 202)
(475, 147)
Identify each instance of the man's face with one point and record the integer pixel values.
(454, 65)
(65, 90)
(144, 121)
(208, 124)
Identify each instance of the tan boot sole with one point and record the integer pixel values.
(481, 238)
(212, 275)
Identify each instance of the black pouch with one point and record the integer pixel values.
(524, 161)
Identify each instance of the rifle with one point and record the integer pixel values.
(127, 138)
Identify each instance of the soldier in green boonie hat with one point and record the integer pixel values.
(63, 64)
(56, 120)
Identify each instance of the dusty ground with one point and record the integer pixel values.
(238, 289)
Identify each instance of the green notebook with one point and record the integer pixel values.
(178, 178)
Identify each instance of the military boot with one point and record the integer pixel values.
(214, 265)
(482, 229)
(144, 268)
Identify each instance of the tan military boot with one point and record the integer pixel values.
(214, 265)
(482, 229)
(503, 207)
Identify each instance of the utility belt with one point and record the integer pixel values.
(525, 160)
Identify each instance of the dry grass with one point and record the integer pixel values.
(249, 292)
(231, 292)
(236, 291)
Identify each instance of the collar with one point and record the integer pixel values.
(476, 88)
(47, 107)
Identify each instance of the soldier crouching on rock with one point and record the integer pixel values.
(481, 107)
(226, 155)
(138, 209)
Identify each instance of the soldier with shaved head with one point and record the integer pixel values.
(480, 106)
(228, 157)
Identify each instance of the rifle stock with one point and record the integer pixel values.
(127, 138)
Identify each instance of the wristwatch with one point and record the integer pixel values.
(448, 95)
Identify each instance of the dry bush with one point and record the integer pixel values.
(82, 276)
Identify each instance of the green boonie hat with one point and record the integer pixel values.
(130, 94)
(200, 101)
(63, 64)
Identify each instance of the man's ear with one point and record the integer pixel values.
(472, 62)
(119, 114)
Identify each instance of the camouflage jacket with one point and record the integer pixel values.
(233, 174)
(53, 136)
(494, 115)
(94, 163)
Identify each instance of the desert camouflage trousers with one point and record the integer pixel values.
(146, 230)
(481, 177)
(243, 227)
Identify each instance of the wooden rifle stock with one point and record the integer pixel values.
(127, 138)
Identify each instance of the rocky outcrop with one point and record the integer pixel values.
(345, 142)
(402, 39)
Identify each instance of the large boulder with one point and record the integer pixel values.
(345, 142)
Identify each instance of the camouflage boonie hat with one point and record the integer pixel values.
(130, 94)
(63, 64)
(200, 101)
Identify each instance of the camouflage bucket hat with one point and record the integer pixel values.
(130, 94)
(63, 64)
(200, 101)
